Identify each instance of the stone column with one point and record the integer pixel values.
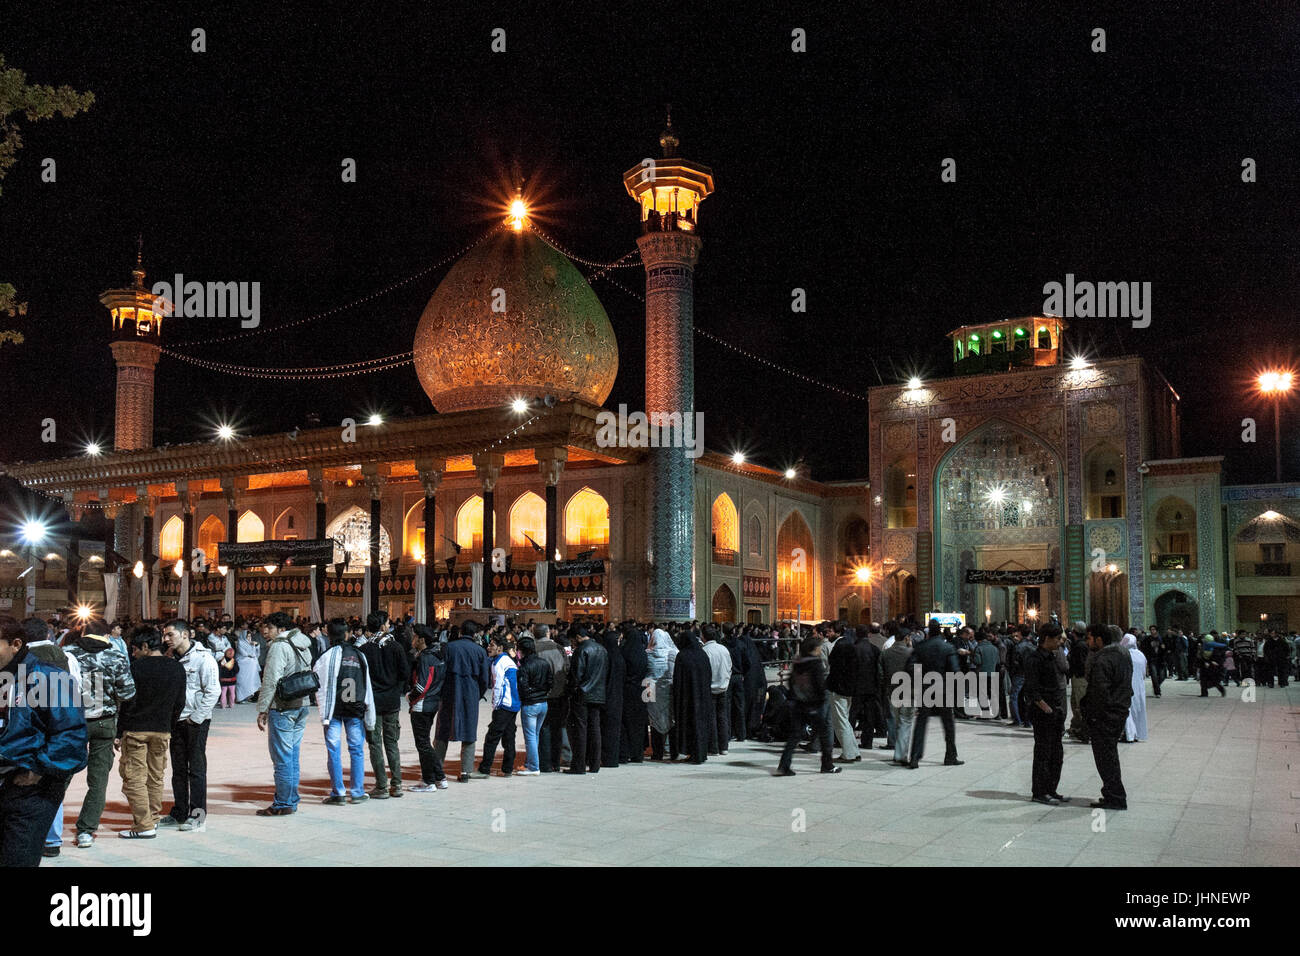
(72, 555)
(110, 558)
(229, 486)
(429, 471)
(487, 467)
(146, 505)
(133, 420)
(187, 539)
(374, 475)
(551, 463)
(669, 259)
(317, 479)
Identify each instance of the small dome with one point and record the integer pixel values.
(553, 335)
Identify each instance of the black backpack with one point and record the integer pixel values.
(350, 687)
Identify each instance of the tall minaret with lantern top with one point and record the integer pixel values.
(136, 345)
(669, 191)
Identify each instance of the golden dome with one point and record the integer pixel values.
(552, 337)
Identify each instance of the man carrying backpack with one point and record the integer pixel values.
(288, 657)
(347, 707)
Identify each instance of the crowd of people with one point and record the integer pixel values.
(588, 697)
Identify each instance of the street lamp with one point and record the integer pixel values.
(1275, 385)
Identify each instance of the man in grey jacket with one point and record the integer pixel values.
(288, 652)
(189, 743)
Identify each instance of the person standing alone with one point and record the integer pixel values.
(189, 740)
(1043, 692)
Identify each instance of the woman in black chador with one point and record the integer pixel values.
(692, 699)
(635, 719)
(611, 722)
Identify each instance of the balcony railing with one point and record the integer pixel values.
(668, 222)
(1263, 569)
(724, 556)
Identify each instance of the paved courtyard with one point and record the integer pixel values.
(1217, 784)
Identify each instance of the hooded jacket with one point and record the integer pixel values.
(505, 683)
(106, 681)
(202, 683)
(425, 696)
(42, 723)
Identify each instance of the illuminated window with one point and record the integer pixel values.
(586, 524)
(211, 533)
(726, 530)
(351, 533)
(171, 540)
(413, 535)
(469, 525)
(527, 517)
(795, 566)
(724, 605)
(251, 527)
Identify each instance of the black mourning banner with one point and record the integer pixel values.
(1010, 576)
(578, 569)
(288, 554)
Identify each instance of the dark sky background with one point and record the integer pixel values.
(1121, 166)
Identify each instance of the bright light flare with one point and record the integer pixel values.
(34, 531)
(519, 406)
(375, 420)
(270, 568)
(225, 432)
(178, 568)
(1271, 383)
(518, 213)
(1079, 363)
(138, 570)
(914, 383)
(862, 575)
(996, 494)
(738, 458)
(791, 473)
(83, 612)
(93, 449)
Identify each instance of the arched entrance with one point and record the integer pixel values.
(901, 594)
(999, 508)
(724, 605)
(1176, 609)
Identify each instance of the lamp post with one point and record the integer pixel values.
(1276, 385)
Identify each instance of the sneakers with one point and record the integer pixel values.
(463, 778)
(50, 851)
(480, 772)
(832, 769)
(85, 840)
(361, 799)
(379, 793)
(424, 788)
(137, 834)
(335, 800)
(193, 826)
(784, 773)
(167, 821)
(1045, 800)
(528, 773)
(440, 784)
(395, 790)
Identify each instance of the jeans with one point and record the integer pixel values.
(843, 727)
(383, 742)
(55, 836)
(430, 763)
(533, 717)
(550, 741)
(500, 730)
(142, 765)
(284, 739)
(801, 714)
(25, 817)
(1013, 697)
(101, 733)
(189, 746)
(903, 718)
(355, 729)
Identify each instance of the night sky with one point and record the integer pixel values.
(1122, 166)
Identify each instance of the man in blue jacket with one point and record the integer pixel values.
(466, 681)
(43, 743)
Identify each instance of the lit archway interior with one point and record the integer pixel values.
(211, 533)
(170, 540)
(725, 530)
(795, 565)
(586, 524)
(351, 533)
(469, 526)
(527, 520)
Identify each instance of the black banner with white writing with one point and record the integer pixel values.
(288, 553)
(1022, 578)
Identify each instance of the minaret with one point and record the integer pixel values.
(136, 345)
(669, 191)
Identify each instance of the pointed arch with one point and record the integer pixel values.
(351, 533)
(724, 530)
(586, 524)
(171, 539)
(211, 533)
(527, 517)
(1173, 539)
(724, 605)
(469, 525)
(288, 525)
(251, 527)
(795, 568)
(413, 539)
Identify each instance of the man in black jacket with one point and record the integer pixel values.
(807, 706)
(587, 672)
(866, 694)
(1105, 707)
(389, 671)
(1043, 692)
(534, 680)
(936, 656)
(841, 684)
(425, 698)
(550, 743)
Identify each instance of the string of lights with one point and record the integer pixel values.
(616, 264)
(745, 352)
(341, 370)
(264, 329)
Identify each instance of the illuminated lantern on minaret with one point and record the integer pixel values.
(669, 191)
(136, 345)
